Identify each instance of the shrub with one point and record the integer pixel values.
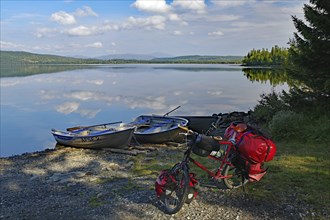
(286, 125)
(268, 105)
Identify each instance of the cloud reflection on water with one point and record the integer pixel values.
(94, 96)
(67, 107)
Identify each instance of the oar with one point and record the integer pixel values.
(171, 111)
(86, 127)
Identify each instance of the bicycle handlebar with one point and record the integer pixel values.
(187, 129)
(217, 138)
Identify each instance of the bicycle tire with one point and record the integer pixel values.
(236, 180)
(174, 200)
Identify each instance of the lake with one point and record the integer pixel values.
(32, 105)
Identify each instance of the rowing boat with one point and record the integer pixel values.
(158, 129)
(96, 136)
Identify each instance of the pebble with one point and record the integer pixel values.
(86, 184)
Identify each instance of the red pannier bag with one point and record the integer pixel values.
(255, 171)
(253, 147)
(256, 148)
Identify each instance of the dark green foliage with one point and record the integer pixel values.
(24, 58)
(308, 128)
(286, 125)
(199, 59)
(268, 106)
(16, 63)
(276, 57)
(303, 113)
(26, 70)
(19, 58)
(276, 76)
(306, 101)
(294, 116)
(310, 49)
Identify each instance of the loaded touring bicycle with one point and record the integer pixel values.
(241, 157)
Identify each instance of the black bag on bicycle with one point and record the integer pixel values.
(251, 171)
(204, 145)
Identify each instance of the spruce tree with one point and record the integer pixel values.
(310, 48)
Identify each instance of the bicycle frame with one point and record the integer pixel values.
(179, 194)
(224, 160)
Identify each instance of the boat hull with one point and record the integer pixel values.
(200, 124)
(159, 129)
(111, 139)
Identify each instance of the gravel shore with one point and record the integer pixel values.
(69, 183)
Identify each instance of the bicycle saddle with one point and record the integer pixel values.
(241, 127)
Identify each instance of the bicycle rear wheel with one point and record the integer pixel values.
(236, 178)
(174, 199)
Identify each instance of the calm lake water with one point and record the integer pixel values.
(31, 106)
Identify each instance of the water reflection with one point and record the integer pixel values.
(263, 75)
(26, 70)
(32, 105)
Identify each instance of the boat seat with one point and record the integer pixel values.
(104, 131)
(157, 128)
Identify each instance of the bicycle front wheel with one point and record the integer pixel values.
(234, 177)
(174, 199)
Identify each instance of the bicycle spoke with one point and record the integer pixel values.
(176, 198)
(233, 178)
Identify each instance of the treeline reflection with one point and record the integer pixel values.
(273, 75)
(27, 70)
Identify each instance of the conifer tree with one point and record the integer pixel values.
(310, 48)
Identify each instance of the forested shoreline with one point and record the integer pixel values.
(14, 58)
(276, 57)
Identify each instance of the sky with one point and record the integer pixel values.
(151, 27)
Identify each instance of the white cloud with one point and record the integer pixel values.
(155, 103)
(177, 93)
(245, 25)
(231, 3)
(8, 83)
(152, 22)
(43, 32)
(65, 18)
(95, 45)
(9, 45)
(216, 33)
(49, 95)
(81, 95)
(197, 6)
(89, 113)
(173, 17)
(296, 10)
(67, 107)
(62, 17)
(223, 18)
(83, 31)
(96, 82)
(85, 11)
(153, 6)
(215, 93)
(177, 33)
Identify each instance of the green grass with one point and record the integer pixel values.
(300, 171)
(95, 202)
(159, 161)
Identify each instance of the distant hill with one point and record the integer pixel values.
(126, 57)
(129, 56)
(20, 63)
(200, 59)
(10, 58)
(23, 58)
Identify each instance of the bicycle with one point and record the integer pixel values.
(176, 192)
